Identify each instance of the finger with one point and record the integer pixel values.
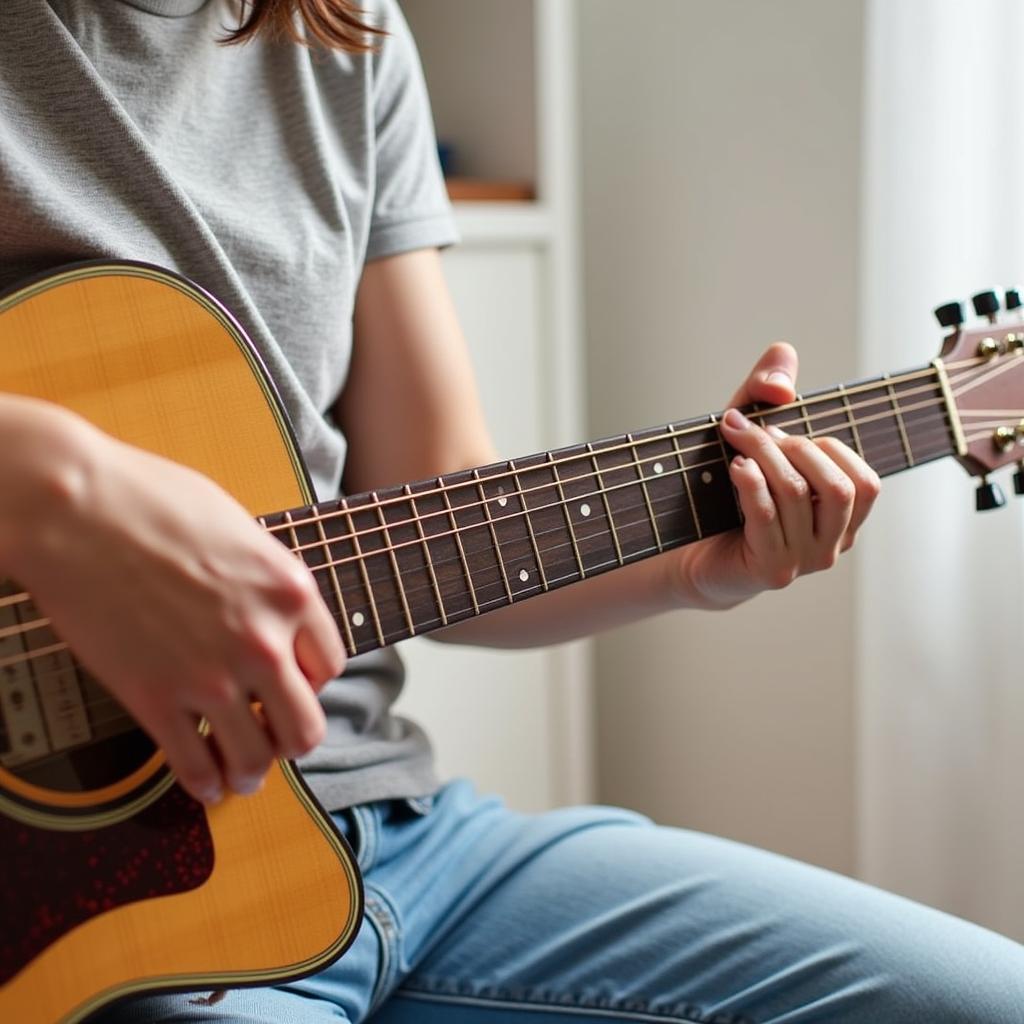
(761, 525)
(243, 742)
(773, 378)
(189, 757)
(835, 493)
(865, 480)
(790, 491)
(318, 647)
(294, 716)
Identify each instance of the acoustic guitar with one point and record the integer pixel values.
(114, 880)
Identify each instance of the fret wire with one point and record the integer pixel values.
(494, 535)
(643, 487)
(806, 418)
(400, 586)
(568, 516)
(908, 451)
(363, 571)
(426, 555)
(923, 373)
(721, 440)
(686, 484)
(529, 523)
(457, 532)
(607, 504)
(346, 626)
(853, 422)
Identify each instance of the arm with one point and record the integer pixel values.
(411, 411)
(168, 592)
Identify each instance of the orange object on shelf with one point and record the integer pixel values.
(489, 190)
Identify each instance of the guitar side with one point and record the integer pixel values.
(271, 890)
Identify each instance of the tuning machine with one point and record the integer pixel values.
(990, 495)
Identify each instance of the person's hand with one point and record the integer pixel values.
(184, 608)
(802, 501)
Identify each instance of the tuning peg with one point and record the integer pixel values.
(986, 304)
(1012, 299)
(989, 496)
(950, 315)
(1018, 480)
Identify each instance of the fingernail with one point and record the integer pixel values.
(776, 432)
(735, 419)
(248, 786)
(211, 796)
(739, 462)
(779, 377)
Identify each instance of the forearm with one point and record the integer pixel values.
(658, 584)
(42, 462)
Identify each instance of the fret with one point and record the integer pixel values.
(713, 492)
(646, 493)
(677, 451)
(568, 517)
(826, 415)
(358, 618)
(607, 506)
(852, 421)
(494, 535)
(805, 417)
(332, 576)
(925, 417)
(482, 558)
(457, 535)
(628, 512)
(529, 524)
(428, 561)
(509, 523)
(393, 559)
(907, 450)
(579, 488)
(546, 516)
(668, 497)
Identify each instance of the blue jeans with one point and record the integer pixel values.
(478, 914)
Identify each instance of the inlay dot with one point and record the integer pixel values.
(523, 575)
(706, 476)
(584, 510)
(358, 619)
(502, 500)
(659, 468)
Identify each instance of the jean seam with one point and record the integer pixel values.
(573, 1005)
(379, 913)
(367, 838)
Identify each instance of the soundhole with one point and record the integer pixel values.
(62, 733)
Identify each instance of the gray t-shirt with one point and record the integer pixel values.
(267, 173)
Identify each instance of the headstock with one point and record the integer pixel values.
(984, 367)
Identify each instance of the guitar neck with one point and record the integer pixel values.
(398, 562)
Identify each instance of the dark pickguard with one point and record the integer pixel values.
(54, 881)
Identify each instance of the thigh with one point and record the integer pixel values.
(606, 916)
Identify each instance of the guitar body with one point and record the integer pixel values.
(114, 880)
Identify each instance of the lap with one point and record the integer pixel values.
(479, 914)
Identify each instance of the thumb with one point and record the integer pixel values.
(773, 378)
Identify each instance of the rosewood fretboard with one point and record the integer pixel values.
(408, 560)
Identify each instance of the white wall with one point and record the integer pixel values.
(721, 153)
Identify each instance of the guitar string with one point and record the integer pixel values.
(493, 579)
(417, 543)
(584, 457)
(601, 492)
(380, 530)
(670, 434)
(494, 583)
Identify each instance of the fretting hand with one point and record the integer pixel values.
(803, 500)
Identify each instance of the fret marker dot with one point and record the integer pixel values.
(584, 510)
(659, 468)
(706, 476)
(358, 619)
(502, 500)
(523, 575)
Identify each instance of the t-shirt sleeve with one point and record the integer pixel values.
(411, 208)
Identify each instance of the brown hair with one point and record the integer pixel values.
(336, 24)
